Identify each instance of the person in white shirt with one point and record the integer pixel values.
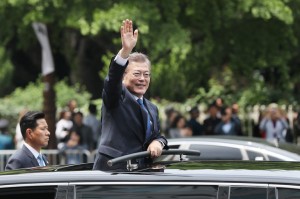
(63, 126)
(274, 124)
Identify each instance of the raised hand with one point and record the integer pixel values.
(129, 38)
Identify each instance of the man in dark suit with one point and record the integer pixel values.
(35, 132)
(129, 122)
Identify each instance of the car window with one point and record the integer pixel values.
(223, 192)
(209, 152)
(273, 158)
(146, 191)
(253, 155)
(248, 193)
(33, 192)
(285, 193)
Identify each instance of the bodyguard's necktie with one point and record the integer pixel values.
(148, 130)
(40, 160)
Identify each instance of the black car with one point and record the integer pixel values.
(167, 179)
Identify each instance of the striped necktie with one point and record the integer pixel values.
(148, 130)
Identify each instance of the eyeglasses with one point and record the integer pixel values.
(139, 74)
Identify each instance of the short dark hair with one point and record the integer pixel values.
(78, 113)
(93, 108)
(194, 110)
(213, 104)
(29, 121)
(223, 110)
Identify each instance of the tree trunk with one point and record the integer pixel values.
(49, 108)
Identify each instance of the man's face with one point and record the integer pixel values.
(39, 137)
(213, 111)
(227, 116)
(137, 78)
(72, 105)
(78, 119)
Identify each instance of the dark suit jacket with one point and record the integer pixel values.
(123, 120)
(234, 130)
(23, 158)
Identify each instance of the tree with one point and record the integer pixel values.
(190, 42)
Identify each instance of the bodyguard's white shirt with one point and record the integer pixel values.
(33, 151)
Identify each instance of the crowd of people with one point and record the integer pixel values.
(74, 130)
(220, 119)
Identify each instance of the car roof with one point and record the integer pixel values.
(228, 139)
(184, 172)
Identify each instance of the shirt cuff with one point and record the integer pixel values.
(162, 143)
(120, 60)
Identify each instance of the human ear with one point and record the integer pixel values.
(29, 133)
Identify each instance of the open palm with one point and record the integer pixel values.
(129, 38)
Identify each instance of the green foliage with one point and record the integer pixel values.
(6, 71)
(31, 98)
(243, 50)
(65, 93)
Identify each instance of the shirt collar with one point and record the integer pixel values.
(32, 150)
(136, 98)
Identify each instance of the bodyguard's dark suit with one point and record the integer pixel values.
(123, 122)
(23, 158)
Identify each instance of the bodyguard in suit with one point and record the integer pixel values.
(35, 132)
(129, 122)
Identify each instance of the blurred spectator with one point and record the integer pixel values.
(228, 125)
(63, 126)
(235, 115)
(219, 103)
(92, 121)
(274, 124)
(6, 140)
(235, 112)
(297, 128)
(72, 106)
(171, 113)
(212, 120)
(18, 139)
(197, 128)
(256, 132)
(72, 148)
(179, 128)
(85, 132)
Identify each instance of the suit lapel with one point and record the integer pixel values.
(33, 160)
(45, 159)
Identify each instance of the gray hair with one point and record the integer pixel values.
(140, 58)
